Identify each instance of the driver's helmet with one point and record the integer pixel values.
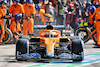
(47, 34)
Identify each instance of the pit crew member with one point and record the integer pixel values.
(29, 17)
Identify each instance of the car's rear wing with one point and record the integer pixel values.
(44, 26)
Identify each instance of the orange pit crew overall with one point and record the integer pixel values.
(1, 25)
(28, 24)
(97, 19)
(93, 34)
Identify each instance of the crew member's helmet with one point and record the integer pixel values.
(29, 1)
(96, 4)
(37, 7)
(18, 16)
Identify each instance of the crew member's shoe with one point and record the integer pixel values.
(96, 46)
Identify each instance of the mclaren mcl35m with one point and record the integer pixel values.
(50, 45)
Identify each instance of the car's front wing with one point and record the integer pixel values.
(63, 56)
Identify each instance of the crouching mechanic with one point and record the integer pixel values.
(29, 18)
(15, 25)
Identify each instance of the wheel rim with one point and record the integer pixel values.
(7, 37)
(83, 33)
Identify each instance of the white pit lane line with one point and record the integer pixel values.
(88, 64)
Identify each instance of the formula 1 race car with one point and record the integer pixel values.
(50, 45)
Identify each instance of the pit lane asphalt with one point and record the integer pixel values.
(7, 58)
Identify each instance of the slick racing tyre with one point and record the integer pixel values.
(78, 50)
(21, 48)
(83, 33)
(7, 36)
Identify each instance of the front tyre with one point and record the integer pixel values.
(22, 47)
(78, 50)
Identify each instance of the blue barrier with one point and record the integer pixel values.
(55, 26)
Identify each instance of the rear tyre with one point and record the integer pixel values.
(77, 49)
(21, 48)
(83, 33)
(7, 36)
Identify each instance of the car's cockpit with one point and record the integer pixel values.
(49, 33)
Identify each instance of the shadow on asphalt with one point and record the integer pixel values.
(41, 61)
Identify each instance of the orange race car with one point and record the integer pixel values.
(50, 45)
